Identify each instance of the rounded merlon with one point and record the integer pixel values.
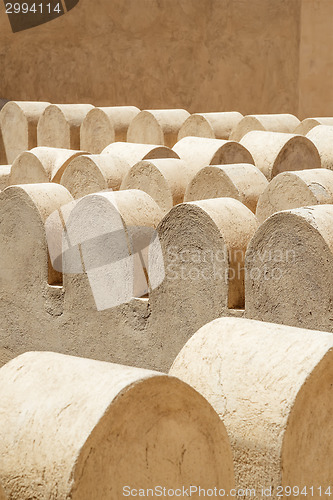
(322, 138)
(88, 174)
(59, 125)
(26, 269)
(41, 164)
(18, 124)
(41, 301)
(309, 123)
(242, 181)
(271, 386)
(210, 125)
(272, 123)
(289, 269)
(165, 180)
(203, 245)
(113, 232)
(295, 189)
(67, 437)
(199, 152)
(102, 126)
(132, 152)
(160, 126)
(275, 152)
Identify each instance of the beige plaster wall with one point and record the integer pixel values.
(316, 59)
(201, 55)
(257, 56)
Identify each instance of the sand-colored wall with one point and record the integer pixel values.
(316, 59)
(258, 56)
(201, 55)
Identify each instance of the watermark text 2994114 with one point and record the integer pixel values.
(27, 14)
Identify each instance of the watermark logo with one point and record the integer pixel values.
(90, 236)
(26, 14)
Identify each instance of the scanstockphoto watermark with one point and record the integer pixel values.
(90, 237)
(295, 491)
(186, 491)
(223, 264)
(200, 256)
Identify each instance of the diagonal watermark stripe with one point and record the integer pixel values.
(113, 255)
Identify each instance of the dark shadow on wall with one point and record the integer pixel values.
(26, 14)
(2, 102)
(3, 159)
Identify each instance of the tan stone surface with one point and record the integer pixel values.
(309, 123)
(4, 176)
(316, 59)
(41, 309)
(18, 124)
(288, 269)
(203, 245)
(2, 494)
(3, 157)
(132, 152)
(102, 126)
(41, 164)
(322, 138)
(92, 173)
(199, 152)
(157, 126)
(272, 123)
(164, 180)
(295, 189)
(25, 272)
(99, 51)
(242, 181)
(104, 224)
(275, 152)
(59, 125)
(271, 386)
(210, 125)
(91, 428)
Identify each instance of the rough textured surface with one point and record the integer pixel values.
(272, 387)
(295, 189)
(174, 48)
(288, 269)
(4, 176)
(41, 164)
(203, 245)
(114, 261)
(59, 125)
(322, 138)
(242, 181)
(43, 310)
(18, 125)
(198, 152)
(102, 126)
(67, 437)
(272, 123)
(2, 494)
(316, 59)
(132, 152)
(275, 152)
(309, 123)
(160, 126)
(211, 125)
(164, 180)
(92, 173)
